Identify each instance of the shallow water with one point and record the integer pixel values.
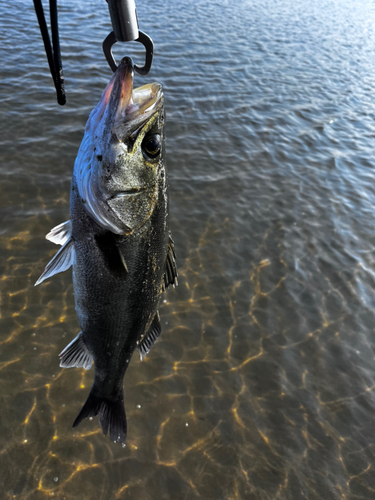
(262, 384)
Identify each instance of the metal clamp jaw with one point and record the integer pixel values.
(125, 29)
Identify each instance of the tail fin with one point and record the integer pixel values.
(111, 415)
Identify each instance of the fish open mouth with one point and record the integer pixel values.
(132, 107)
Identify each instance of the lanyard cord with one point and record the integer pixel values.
(53, 57)
(125, 25)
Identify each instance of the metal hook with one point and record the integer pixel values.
(144, 39)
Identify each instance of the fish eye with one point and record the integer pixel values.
(151, 146)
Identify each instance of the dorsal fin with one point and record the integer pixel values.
(170, 276)
(151, 337)
(64, 258)
(61, 233)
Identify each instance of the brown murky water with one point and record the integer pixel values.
(262, 384)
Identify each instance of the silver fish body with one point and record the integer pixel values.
(118, 241)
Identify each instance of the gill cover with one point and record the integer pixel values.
(117, 180)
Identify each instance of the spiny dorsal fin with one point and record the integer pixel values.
(76, 354)
(64, 258)
(151, 337)
(170, 276)
(61, 233)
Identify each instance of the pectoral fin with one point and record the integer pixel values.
(170, 276)
(61, 233)
(122, 260)
(64, 258)
(151, 337)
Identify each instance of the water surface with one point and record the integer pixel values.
(261, 386)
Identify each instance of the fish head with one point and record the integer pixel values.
(120, 166)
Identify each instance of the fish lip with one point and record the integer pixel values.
(127, 192)
(141, 108)
(123, 86)
(132, 106)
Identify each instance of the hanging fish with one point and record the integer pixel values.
(117, 241)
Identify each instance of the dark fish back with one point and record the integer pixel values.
(118, 280)
(116, 302)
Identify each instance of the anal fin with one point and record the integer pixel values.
(76, 354)
(170, 276)
(151, 337)
(64, 258)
